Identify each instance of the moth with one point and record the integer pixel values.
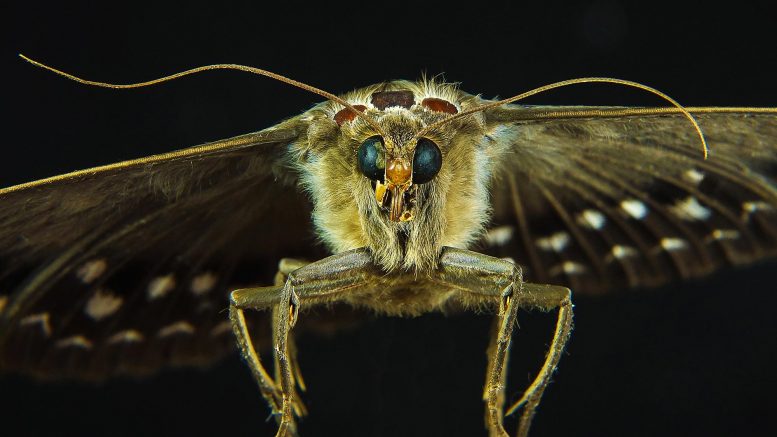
(427, 198)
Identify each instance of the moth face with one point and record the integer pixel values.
(402, 195)
(396, 176)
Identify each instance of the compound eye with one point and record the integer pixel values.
(371, 158)
(426, 162)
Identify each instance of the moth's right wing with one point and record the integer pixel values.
(125, 268)
(605, 198)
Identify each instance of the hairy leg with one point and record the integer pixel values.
(285, 267)
(546, 298)
(319, 282)
(478, 279)
(484, 278)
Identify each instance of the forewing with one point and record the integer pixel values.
(126, 268)
(609, 198)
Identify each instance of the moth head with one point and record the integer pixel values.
(396, 175)
(390, 186)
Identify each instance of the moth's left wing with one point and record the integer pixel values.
(123, 269)
(609, 198)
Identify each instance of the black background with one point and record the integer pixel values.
(691, 359)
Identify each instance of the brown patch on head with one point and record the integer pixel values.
(386, 99)
(439, 105)
(345, 114)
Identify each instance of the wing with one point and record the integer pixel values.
(125, 268)
(608, 198)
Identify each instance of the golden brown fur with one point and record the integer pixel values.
(451, 209)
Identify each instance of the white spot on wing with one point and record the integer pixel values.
(499, 236)
(751, 207)
(568, 267)
(42, 319)
(221, 328)
(126, 336)
(160, 286)
(693, 176)
(722, 234)
(670, 244)
(92, 270)
(592, 219)
(203, 283)
(620, 251)
(180, 327)
(690, 209)
(634, 208)
(556, 242)
(102, 304)
(75, 341)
